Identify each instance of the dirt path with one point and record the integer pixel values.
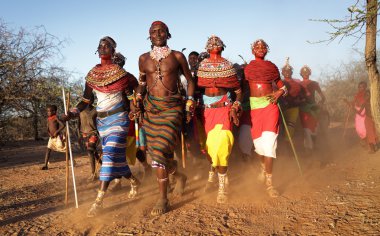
(339, 196)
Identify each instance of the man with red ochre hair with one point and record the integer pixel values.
(159, 78)
(261, 75)
(218, 76)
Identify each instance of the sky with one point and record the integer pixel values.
(284, 24)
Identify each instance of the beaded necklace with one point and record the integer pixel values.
(157, 54)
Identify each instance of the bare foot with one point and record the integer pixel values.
(180, 184)
(272, 192)
(161, 207)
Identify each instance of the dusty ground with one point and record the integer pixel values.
(338, 194)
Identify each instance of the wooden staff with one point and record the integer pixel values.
(183, 150)
(67, 159)
(290, 139)
(70, 151)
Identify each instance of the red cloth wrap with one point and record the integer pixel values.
(230, 82)
(261, 72)
(359, 98)
(308, 121)
(214, 116)
(265, 119)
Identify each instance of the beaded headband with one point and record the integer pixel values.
(213, 41)
(259, 41)
(157, 22)
(109, 40)
(305, 68)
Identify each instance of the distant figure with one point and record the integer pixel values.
(56, 138)
(292, 102)
(87, 127)
(364, 125)
(309, 110)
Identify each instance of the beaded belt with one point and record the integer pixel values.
(103, 114)
(216, 105)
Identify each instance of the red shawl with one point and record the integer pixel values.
(261, 72)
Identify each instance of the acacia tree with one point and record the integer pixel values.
(362, 21)
(29, 79)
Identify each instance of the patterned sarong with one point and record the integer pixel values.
(218, 128)
(162, 124)
(113, 132)
(265, 126)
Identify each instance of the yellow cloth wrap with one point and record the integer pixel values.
(291, 117)
(258, 102)
(131, 150)
(56, 144)
(219, 145)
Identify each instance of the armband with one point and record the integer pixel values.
(283, 88)
(130, 97)
(189, 105)
(85, 100)
(236, 105)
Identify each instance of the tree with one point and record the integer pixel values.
(29, 78)
(353, 26)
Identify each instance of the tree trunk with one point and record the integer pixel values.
(35, 126)
(371, 61)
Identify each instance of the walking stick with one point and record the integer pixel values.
(67, 159)
(290, 139)
(70, 151)
(137, 128)
(183, 150)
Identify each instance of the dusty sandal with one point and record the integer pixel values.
(94, 210)
(161, 207)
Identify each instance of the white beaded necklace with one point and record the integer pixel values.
(159, 53)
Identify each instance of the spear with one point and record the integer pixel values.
(70, 151)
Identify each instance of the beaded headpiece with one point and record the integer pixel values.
(202, 56)
(164, 25)
(287, 66)
(259, 41)
(109, 40)
(305, 68)
(119, 59)
(214, 41)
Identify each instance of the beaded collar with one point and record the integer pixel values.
(159, 53)
(105, 75)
